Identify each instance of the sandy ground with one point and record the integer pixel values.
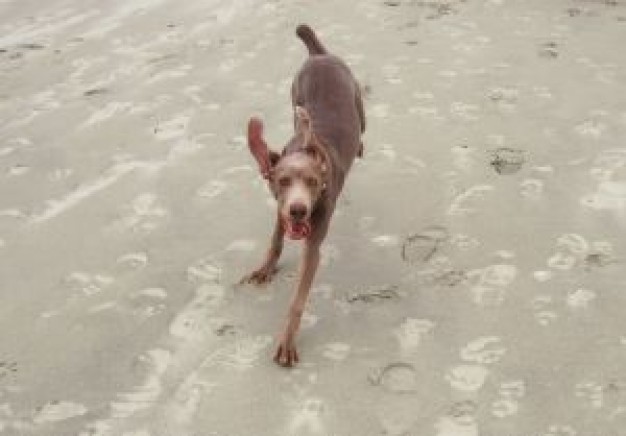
(472, 281)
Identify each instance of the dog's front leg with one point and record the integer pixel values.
(286, 354)
(267, 270)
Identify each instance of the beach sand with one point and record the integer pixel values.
(473, 280)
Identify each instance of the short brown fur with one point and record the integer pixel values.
(307, 177)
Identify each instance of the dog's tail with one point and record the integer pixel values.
(306, 34)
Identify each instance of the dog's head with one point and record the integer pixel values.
(297, 179)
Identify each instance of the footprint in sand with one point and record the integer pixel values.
(591, 128)
(610, 195)
(463, 410)
(573, 249)
(7, 368)
(599, 255)
(573, 242)
(491, 283)
(12, 213)
(498, 275)
(411, 332)
(212, 189)
(422, 246)
(385, 240)
(464, 111)
(464, 242)
(58, 411)
(60, 174)
(157, 293)
(132, 261)
(146, 312)
(88, 283)
(542, 275)
(5, 151)
(450, 277)
(92, 92)
(591, 393)
(561, 261)
(17, 170)
(531, 188)
(467, 378)
(144, 214)
(506, 160)
(509, 393)
(484, 350)
(541, 306)
(460, 206)
(611, 190)
(143, 396)
(463, 156)
(109, 305)
(106, 112)
(504, 407)
(182, 405)
(506, 98)
(570, 248)
(174, 128)
(392, 73)
(397, 377)
(374, 294)
(460, 423)
(426, 112)
(548, 50)
(308, 418)
(580, 298)
(241, 353)
(197, 319)
(205, 270)
(336, 351)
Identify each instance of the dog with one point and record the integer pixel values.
(306, 178)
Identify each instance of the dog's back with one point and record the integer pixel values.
(326, 87)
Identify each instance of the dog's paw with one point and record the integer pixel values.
(286, 354)
(261, 276)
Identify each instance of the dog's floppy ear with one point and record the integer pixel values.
(304, 123)
(265, 157)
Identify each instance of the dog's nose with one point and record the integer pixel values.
(297, 211)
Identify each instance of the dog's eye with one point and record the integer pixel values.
(311, 182)
(284, 182)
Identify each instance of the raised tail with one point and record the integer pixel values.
(306, 34)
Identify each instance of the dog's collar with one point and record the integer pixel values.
(325, 163)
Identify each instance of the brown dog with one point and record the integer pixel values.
(307, 177)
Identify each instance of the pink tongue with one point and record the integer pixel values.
(298, 230)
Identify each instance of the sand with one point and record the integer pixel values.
(472, 282)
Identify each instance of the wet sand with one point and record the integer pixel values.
(473, 279)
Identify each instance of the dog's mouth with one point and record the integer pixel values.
(297, 230)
